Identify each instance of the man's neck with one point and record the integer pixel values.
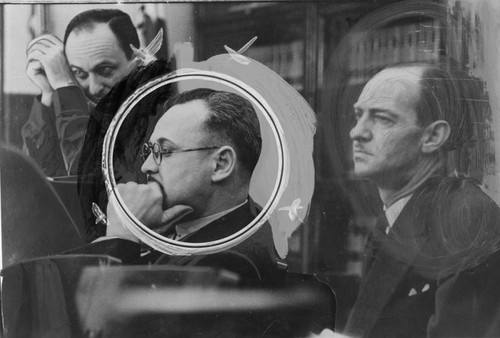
(390, 192)
(226, 203)
(387, 195)
(186, 228)
(217, 203)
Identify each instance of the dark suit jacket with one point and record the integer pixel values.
(254, 260)
(437, 273)
(54, 135)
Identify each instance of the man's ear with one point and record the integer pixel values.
(435, 135)
(224, 163)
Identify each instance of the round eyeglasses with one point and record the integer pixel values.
(158, 151)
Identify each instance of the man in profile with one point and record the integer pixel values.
(432, 262)
(93, 57)
(199, 161)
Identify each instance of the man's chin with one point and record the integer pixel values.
(180, 212)
(92, 99)
(362, 171)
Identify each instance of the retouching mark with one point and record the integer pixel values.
(237, 56)
(293, 210)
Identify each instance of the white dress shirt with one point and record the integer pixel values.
(392, 212)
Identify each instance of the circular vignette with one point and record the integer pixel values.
(155, 240)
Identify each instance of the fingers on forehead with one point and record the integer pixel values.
(34, 55)
(46, 40)
(34, 64)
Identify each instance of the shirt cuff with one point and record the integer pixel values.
(67, 98)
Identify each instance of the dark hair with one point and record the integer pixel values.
(119, 22)
(129, 140)
(450, 94)
(231, 118)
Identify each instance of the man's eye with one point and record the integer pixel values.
(163, 149)
(383, 119)
(106, 71)
(79, 74)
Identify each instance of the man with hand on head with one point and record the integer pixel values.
(93, 57)
(199, 161)
(432, 263)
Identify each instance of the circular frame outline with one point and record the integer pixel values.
(155, 240)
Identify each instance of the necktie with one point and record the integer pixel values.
(374, 241)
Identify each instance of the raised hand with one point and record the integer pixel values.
(46, 64)
(36, 73)
(145, 202)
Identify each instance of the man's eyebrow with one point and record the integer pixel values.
(387, 111)
(358, 110)
(73, 66)
(380, 110)
(165, 142)
(108, 63)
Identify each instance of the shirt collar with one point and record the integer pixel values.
(392, 212)
(187, 228)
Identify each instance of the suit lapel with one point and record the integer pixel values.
(388, 260)
(218, 229)
(224, 226)
(377, 289)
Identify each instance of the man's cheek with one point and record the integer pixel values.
(166, 201)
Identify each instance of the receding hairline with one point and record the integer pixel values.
(416, 71)
(396, 76)
(90, 27)
(208, 132)
(203, 103)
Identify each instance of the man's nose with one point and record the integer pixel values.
(149, 166)
(96, 86)
(361, 131)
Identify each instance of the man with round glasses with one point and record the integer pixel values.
(201, 153)
(199, 161)
(158, 151)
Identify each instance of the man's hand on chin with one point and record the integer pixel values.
(172, 215)
(145, 201)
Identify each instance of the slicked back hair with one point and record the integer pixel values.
(231, 118)
(119, 22)
(450, 94)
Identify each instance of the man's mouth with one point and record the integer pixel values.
(359, 151)
(152, 180)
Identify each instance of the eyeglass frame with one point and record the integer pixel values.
(161, 151)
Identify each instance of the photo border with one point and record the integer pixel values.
(155, 240)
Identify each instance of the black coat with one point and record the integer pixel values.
(437, 272)
(254, 259)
